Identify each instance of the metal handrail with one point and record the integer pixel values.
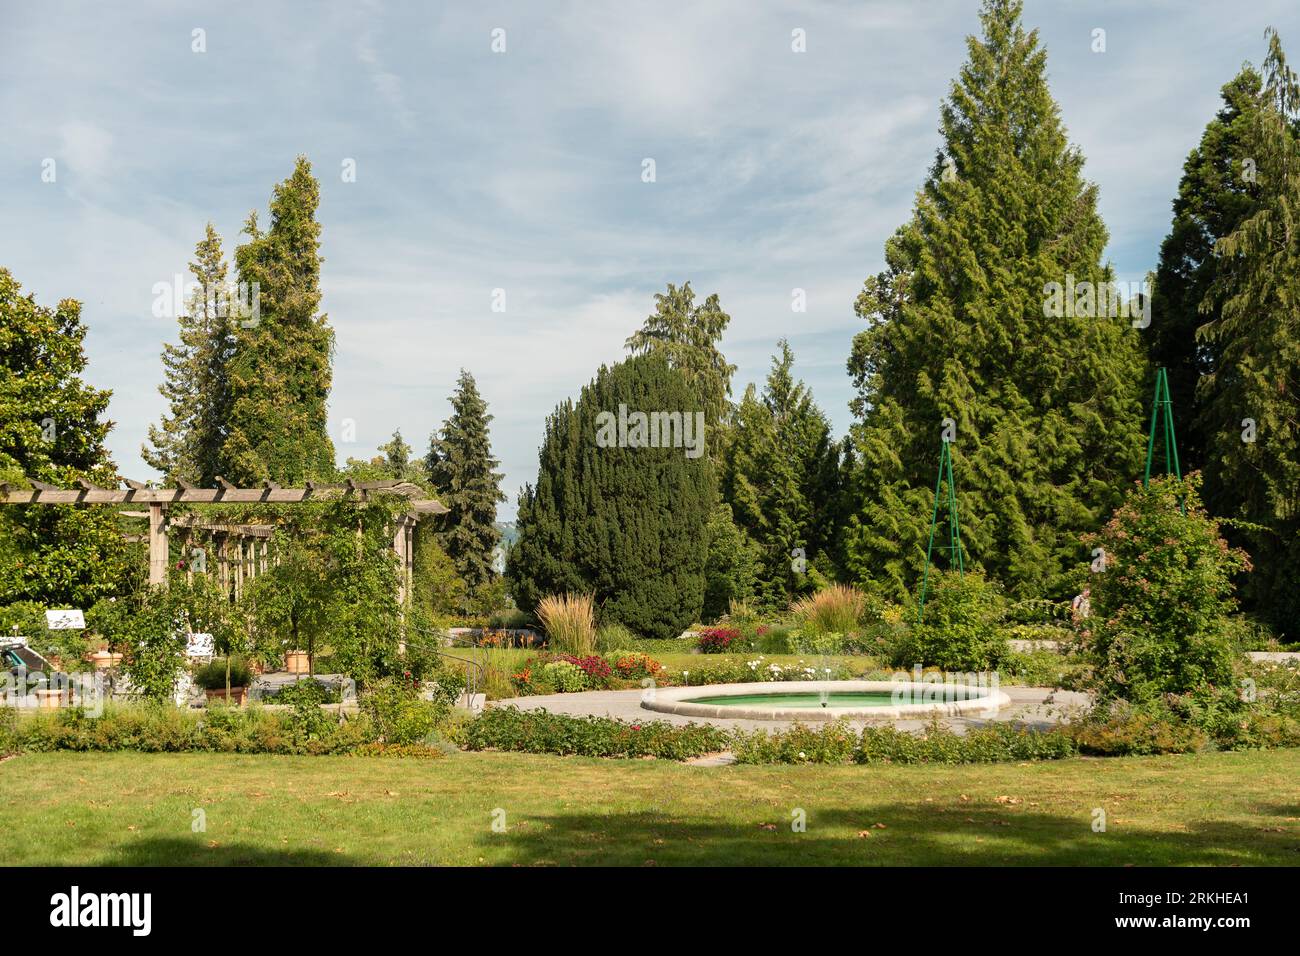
(471, 686)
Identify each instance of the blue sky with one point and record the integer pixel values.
(522, 171)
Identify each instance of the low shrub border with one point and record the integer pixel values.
(539, 731)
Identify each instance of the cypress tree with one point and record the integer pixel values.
(1250, 402)
(187, 441)
(280, 372)
(614, 518)
(976, 320)
(462, 470)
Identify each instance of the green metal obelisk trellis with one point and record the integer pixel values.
(1163, 402)
(954, 527)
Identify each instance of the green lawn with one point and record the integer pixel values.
(86, 809)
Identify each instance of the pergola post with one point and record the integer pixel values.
(157, 545)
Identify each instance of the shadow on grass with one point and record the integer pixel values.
(172, 851)
(912, 836)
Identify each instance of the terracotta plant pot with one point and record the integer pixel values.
(297, 662)
(103, 660)
(238, 695)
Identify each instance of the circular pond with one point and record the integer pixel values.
(826, 700)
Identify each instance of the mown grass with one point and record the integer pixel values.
(92, 809)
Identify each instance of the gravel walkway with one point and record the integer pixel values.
(1035, 706)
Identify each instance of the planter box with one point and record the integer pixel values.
(237, 695)
(297, 662)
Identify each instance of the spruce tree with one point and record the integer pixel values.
(280, 372)
(187, 442)
(462, 470)
(687, 335)
(966, 324)
(1214, 197)
(52, 429)
(612, 516)
(1250, 402)
(780, 477)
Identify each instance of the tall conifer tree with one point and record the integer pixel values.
(1047, 407)
(463, 472)
(780, 477)
(187, 443)
(280, 373)
(687, 335)
(1250, 402)
(623, 521)
(1214, 197)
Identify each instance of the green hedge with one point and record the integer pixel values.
(841, 743)
(539, 731)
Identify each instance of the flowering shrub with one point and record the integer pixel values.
(761, 669)
(632, 666)
(596, 668)
(717, 640)
(1159, 611)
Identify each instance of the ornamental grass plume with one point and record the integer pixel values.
(837, 609)
(570, 622)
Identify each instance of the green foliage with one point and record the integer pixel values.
(436, 586)
(163, 728)
(537, 731)
(687, 336)
(614, 636)
(187, 442)
(730, 568)
(1214, 197)
(461, 467)
(780, 477)
(1160, 610)
(840, 743)
(1252, 331)
(399, 714)
(961, 629)
(623, 523)
(564, 677)
(332, 584)
(1047, 407)
(214, 674)
(280, 369)
(52, 428)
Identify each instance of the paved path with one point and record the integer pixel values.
(1036, 706)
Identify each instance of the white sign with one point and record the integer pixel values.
(68, 619)
(199, 645)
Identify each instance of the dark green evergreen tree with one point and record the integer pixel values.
(187, 443)
(780, 477)
(280, 372)
(614, 518)
(1250, 401)
(976, 320)
(462, 470)
(688, 335)
(1214, 196)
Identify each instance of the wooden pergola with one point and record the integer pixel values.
(248, 541)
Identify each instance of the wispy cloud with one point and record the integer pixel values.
(522, 171)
